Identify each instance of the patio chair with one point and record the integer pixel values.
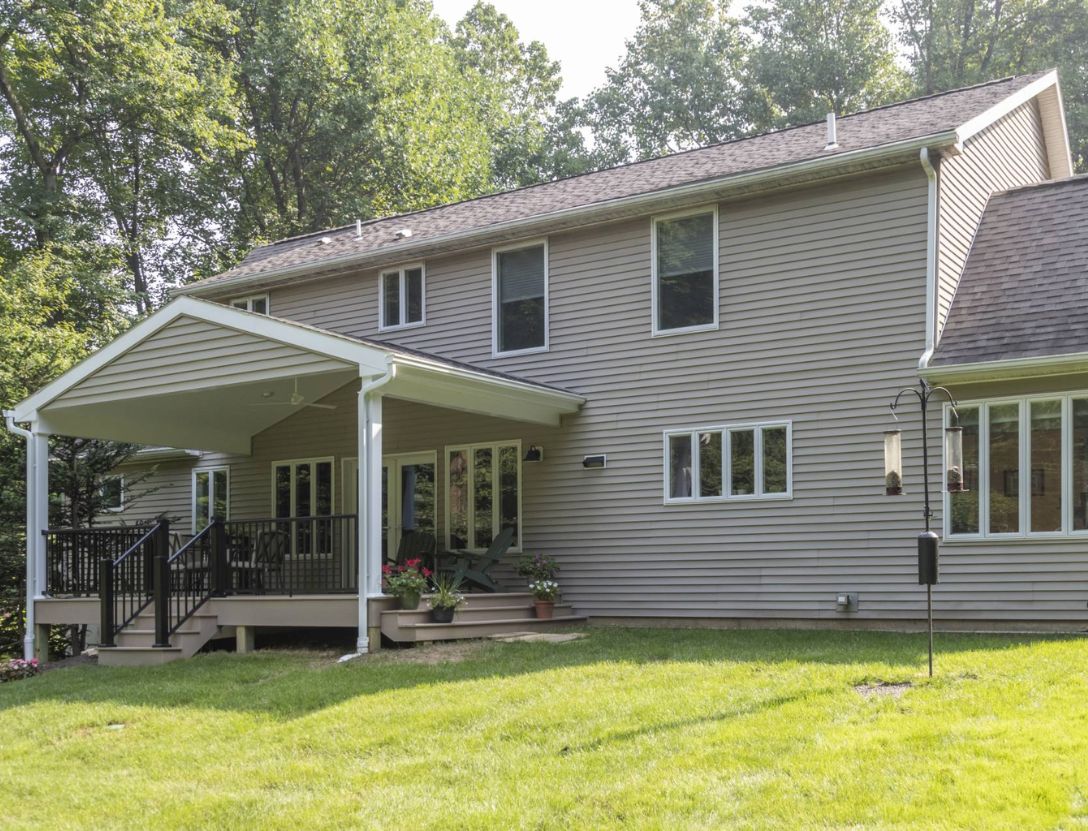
(413, 545)
(469, 568)
(268, 559)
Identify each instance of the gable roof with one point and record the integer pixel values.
(1024, 290)
(942, 119)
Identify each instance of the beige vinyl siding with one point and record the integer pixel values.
(822, 318)
(215, 356)
(1009, 153)
(156, 489)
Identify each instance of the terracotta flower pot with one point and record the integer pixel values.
(545, 609)
(409, 601)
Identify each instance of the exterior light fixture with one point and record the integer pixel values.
(953, 454)
(598, 461)
(535, 453)
(893, 462)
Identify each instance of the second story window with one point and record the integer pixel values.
(402, 301)
(520, 299)
(685, 272)
(257, 303)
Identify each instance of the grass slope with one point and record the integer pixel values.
(642, 728)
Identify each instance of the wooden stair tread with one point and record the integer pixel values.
(498, 622)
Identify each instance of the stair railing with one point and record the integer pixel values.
(125, 583)
(187, 579)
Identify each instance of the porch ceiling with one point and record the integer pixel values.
(197, 374)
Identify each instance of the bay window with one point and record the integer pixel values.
(483, 494)
(744, 461)
(1025, 465)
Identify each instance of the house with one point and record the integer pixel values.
(673, 376)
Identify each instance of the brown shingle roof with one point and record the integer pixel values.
(1024, 289)
(908, 120)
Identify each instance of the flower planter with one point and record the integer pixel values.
(442, 614)
(409, 602)
(545, 609)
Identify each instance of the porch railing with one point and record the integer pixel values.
(72, 556)
(185, 580)
(126, 582)
(293, 555)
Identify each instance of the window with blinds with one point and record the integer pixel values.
(685, 272)
(521, 299)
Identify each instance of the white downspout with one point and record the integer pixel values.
(31, 525)
(931, 260)
(364, 516)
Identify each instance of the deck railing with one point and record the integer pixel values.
(185, 580)
(126, 583)
(293, 555)
(72, 556)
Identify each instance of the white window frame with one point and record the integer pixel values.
(121, 478)
(402, 284)
(248, 300)
(655, 330)
(211, 496)
(470, 481)
(1025, 533)
(532, 243)
(315, 460)
(727, 430)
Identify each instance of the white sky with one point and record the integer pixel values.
(585, 36)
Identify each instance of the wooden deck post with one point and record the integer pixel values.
(105, 601)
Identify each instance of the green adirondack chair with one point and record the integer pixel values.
(413, 545)
(470, 568)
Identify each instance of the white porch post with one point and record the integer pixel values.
(41, 507)
(369, 486)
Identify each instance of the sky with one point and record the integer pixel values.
(585, 36)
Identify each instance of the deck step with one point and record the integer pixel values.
(138, 656)
(421, 632)
(405, 617)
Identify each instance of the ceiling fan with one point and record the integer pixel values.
(297, 399)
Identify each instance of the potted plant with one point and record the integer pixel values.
(544, 594)
(406, 582)
(893, 485)
(537, 567)
(445, 600)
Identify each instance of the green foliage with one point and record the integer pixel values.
(678, 86)
(813, 57)
(952, 43)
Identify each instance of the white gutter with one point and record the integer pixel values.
(410, 249)
(31, 525)
(1010, 368)
(368, 515)
(931, 258)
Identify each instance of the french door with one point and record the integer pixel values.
(409, 496)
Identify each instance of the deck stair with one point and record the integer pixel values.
(482, 615)
(135, 643)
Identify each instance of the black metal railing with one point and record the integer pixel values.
(185, 580)
(293, 555)
(72, 556)
(126, 583)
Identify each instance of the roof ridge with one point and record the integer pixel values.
(523, 188)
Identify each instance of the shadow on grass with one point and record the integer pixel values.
(291, 685)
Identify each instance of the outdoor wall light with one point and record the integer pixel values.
(893, 462)
(597, 461)
(535, 453)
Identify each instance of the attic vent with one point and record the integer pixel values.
(832, 133)
(402, 233)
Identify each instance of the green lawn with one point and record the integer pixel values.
(625, 729)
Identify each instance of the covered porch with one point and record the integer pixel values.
(204, 376)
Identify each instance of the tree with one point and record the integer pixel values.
(111, 106)
(355, 108)
(954, 43)
(516, 90)
(813, 57)
(678, 86)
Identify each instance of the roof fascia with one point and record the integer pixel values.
(1009, 369)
